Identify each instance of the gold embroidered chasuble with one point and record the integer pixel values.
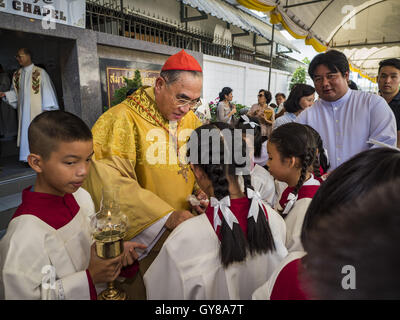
(35, 95)
(134, 150)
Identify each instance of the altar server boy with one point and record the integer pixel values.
(47, 252)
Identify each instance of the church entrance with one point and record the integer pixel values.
(45, 54)
(51, 54)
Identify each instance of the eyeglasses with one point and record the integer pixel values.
(193, 104)
(181, 103)
(18, 56)
(260, 95)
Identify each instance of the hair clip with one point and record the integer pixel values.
(292, 200)
(247, 121)
(255, 203)
(223, 205)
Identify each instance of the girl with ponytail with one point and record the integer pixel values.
(321, 164)
(292, 152)
(231, 249)
(261, 179)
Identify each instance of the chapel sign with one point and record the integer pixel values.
(70, 12)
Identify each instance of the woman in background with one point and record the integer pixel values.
(225, 109)
(300, 98)
(262, 111)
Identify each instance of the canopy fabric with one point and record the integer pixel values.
(288, 20)
(238, 18)
(366, 31)
(366, 60)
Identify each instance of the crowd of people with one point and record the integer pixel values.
(272, 204)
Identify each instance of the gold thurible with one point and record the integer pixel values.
(108, 236)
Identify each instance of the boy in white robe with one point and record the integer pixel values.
(47, 252)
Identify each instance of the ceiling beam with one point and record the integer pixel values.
(364, 44)
(303, 4)
(374, 59)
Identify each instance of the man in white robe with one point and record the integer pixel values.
(31, 93)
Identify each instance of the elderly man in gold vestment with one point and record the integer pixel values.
(139, 146)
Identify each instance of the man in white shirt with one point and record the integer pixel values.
(346, 119)
(31, 93)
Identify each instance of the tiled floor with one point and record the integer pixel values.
(14, 177)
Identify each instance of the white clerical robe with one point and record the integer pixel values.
(22, 101)
(189, 265)
(31, 248)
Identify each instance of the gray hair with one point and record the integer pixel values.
(171, 76)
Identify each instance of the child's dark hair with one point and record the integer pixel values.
(350, 180)
(259, 139)
(363, 234)
(233, 242)
(295, 140)
(50, 128)
(322, 159)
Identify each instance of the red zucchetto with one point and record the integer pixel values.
(181, 61)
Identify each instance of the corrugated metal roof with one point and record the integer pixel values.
(238, 18)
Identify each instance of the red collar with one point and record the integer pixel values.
(240, 208)
(306, 191)
(56, 211)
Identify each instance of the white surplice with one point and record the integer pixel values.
(31, 246)
(189, 265)
(22, 101)
(295, 218)
(263, 183)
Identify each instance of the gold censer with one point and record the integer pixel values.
(109, 235)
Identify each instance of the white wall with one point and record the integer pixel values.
(245, 79)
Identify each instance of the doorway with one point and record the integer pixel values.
(46, 53)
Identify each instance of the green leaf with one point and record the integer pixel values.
(299, 76)
(120, 94)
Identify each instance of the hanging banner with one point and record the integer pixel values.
(70, 12)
